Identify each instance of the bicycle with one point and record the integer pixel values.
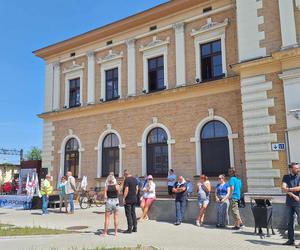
(92, 197)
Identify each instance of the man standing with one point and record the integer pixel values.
(130, 190)
(291, 186)
(180, 190)
(171, 181)
(235, 185)
(70, 188)
(46, 190)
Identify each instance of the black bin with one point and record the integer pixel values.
(262, 212)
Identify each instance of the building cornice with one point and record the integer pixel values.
(190, 91)
(278, 61)
(130, 22)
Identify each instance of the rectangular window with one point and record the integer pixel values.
(211, 60)
(74, 97)
(111, 84)
(156, 73)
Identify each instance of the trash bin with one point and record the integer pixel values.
(262, 212)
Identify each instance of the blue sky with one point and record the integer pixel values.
(29, 25)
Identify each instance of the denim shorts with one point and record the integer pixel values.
(112, 205)
(203, 202)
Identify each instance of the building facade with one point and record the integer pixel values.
(194, 85)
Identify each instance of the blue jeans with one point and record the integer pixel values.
(292, 210)
(71, 202)
(180, 209)
(45, 204)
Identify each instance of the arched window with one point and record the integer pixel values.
(72, 157)
(157, 153)
(110, 155)
(215, 149)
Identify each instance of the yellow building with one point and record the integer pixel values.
(193, 85)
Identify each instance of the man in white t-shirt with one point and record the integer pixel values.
(171, 181)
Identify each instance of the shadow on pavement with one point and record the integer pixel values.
(264, 243)
(96, 212)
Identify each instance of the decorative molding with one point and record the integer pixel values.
(130, 42)
(110, 57)
(178, 27)
(155, 43)
(297, 2)
(109, 130)
(108, 126)
(210, 32)
(211, 113)
(257, 134)
(154, 120)
(70, 131)
(197, 141)
(62, 152)
(143, 145)
(209, 26)
(73, 67)
(90, 53)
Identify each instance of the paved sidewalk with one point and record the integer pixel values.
(162, 235)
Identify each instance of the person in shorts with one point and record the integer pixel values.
(203, 190)
(235, 185)
(148, 197)
(111, 194)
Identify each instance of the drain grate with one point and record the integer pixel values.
(77, 228)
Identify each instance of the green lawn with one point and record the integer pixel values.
(10, 230)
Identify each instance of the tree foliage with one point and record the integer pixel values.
(34, 154)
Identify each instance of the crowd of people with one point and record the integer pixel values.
(135, 192)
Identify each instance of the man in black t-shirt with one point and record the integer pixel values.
(180, 191)
(130, 190)
(291, 186)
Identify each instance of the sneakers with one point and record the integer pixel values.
(198, 224)
(236, 228)
(177, 223)
(134, 230)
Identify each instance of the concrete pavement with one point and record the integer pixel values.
(162, 235)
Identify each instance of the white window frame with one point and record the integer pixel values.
(71, 76)
(197, 141)
(154, 49)
(115, 63)
(143, 145)
(99, 150)
(214, 32)
(62, 154)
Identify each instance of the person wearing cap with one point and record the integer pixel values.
(149, 197)
(46, 190)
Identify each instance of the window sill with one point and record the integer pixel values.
(112, 99)
(156, 90)
(213, 79)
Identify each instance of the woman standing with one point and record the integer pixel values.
(111, 193)
(222, 197)
(203, 190)
(149, 197)
(62, 194)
